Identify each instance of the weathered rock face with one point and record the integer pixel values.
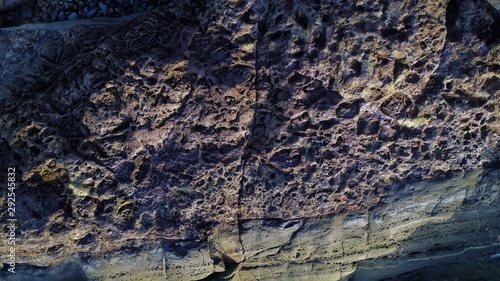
(353, 97)
(417, 225)
(6, 5)
(199, 120)
(412, 228)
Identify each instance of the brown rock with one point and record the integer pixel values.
(196, 121)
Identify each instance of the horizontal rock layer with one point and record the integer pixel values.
(419, 225)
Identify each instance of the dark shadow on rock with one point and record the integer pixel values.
(62, 272)
(461, 246)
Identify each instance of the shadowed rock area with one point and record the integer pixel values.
(273, 140)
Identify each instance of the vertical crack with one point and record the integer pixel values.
(262, 28)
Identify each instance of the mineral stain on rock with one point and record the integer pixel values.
(273, 140)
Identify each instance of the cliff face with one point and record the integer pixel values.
(445, 229)
(201, 120)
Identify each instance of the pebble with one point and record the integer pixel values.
(92, 13)
(104, 8)
(61, 16)
(73, 16)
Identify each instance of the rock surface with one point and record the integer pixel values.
(200, 121)
(417, 225)
(19, 12)
(6, 5)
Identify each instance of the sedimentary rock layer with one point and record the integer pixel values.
(417, 225)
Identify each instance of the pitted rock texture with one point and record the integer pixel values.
(202, 114)
(353, 97)
(428, 225)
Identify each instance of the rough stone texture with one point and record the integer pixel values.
(200, 116)
(6, 5)
(417, 225)
(399, 235)
(61, 272)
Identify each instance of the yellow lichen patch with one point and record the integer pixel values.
(325, 65)
(494, 128)
(372, 93)
(81, 187)
(49, 172)
(179, 66)
(125, 208)
(414, 123)
(249, 48)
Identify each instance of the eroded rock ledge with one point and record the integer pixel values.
(417, 225)
(202, 119)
